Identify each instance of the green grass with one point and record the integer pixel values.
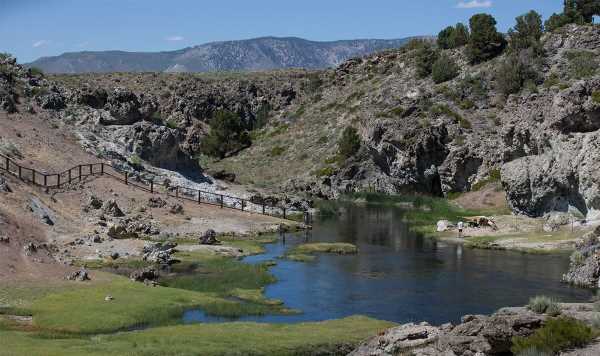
(557, 335)
(334, 337)
(298, 257)
(596, 96)
(83, 310)
(339, 248)
(220, 276)
(544, 305)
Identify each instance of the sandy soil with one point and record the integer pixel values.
(41, 144)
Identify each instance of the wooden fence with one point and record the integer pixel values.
(82, 171)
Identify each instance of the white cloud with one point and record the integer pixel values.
(175, 38)
(474, 4)
(40, 43)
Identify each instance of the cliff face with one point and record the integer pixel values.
(415, 135)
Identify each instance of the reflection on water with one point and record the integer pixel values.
(400, 276)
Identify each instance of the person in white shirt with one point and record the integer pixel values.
(460, 229)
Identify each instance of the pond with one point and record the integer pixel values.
(401, 276)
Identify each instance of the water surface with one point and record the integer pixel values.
(401, 276)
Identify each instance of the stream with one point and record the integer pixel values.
(400, 276)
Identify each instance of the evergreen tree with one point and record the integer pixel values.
(485, 42)
(527, 32)
(227, 135)
(460, 35)
(349, 143)
(445, 38)
(425, 56)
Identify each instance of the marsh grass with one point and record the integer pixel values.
(334, 337)
(556, 335)
(84, 311)
(220, 276)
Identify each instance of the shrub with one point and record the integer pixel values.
(596, 96)
(542, 304)
(558, 334)
(485, 41)
(582, 64)
(325, 172)
(262, 116)
(425, 57)
(227, 135)
(512, 74)
(551, 81)
(36, 72)
(277, 151)
(577, 258)
(349, 143)
(445, 110)
(444, 69)
(453, 37)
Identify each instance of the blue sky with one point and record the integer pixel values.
(33, 28)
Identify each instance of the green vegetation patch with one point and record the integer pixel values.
(596, 96)
(84, 310)
(338, 248)
(557, 335)
(329, 337)
(544, 305)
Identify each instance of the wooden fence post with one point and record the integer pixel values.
(45, 180)
(58, 180)
(152, 186)
(101, 169)
(91, 169)
(20, 176)
(7, 164)
(79, 172)
(284, 213)
(126, 178)
(263, 206)
(243, 202)
(221, 198)
(70, 176)
(199, 197)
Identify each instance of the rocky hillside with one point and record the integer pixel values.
(255, 54)
(415, 135)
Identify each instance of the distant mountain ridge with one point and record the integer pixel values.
(245, 55)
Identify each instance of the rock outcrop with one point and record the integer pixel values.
(475, 335)
(584, 270)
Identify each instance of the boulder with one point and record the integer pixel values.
(4, 185)
(93, 203)
(584, 274)
(119, 231)
(4, 239)
(40, 210)
(209, 238)
(156, 202)
(399, 340)
(160, 253)
(111, 208)
(52, 101)
(81, 275)
(443, 225)
(176, 209)
(142, 275)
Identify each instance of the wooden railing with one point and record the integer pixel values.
(80, 172)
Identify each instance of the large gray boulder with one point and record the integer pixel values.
(560, 179)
